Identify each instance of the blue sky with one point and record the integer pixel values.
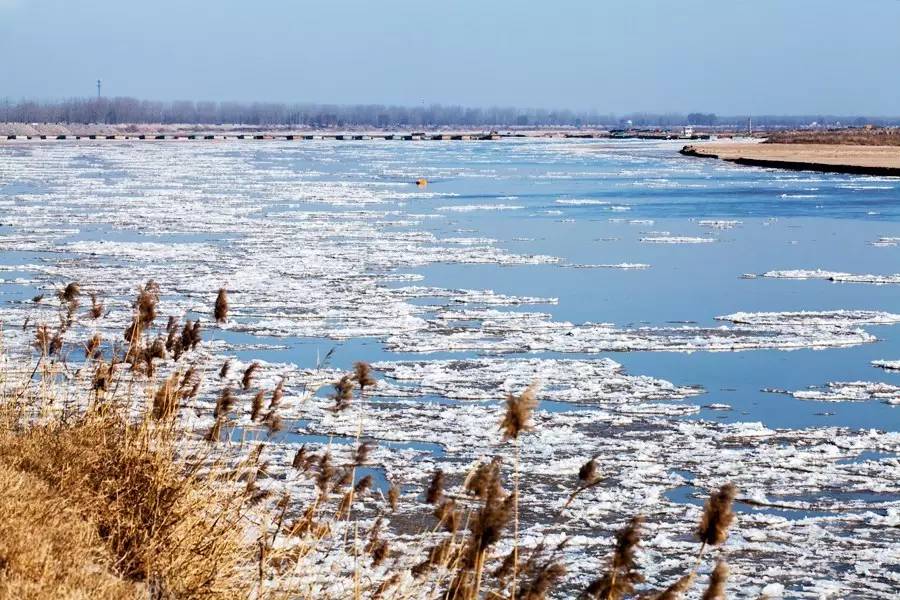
(724, 56)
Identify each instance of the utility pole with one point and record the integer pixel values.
(98, 89)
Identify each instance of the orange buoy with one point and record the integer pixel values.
(421, 182)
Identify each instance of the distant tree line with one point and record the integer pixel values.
(125, 110)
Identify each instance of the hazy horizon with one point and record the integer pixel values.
(765, 57)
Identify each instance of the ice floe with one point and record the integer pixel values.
(850, 391)
(676, 240)
(835, 276)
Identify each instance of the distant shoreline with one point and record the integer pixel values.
(161, 131)
(824, 158)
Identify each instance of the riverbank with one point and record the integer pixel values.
(839, 158)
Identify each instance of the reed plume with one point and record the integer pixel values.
(623, 574)
(56, 342)
(42, 337)
(448, 516)
(191, 378)
(542, 581)
(344, 477)
(444, 552)
(435, 490)
(92, 347)
(677, 589)
(589, 472)
(96, 307)
(363, 485)
(220, 311)
(249, 372)
(195, 335)
(717, 516)
(277, 395)
(717, 579)
(226, 366)
(588, 477)
(394, 496)
(299, 460)
(102, 377)
(485, 528)
(343, 393)
(147, 302)
(256, 405)
(362, 372)
(519, 410)
(274, 423)
(361, 453)
(325, 473)
(380, 552)
(70, 293)
(166, 398)
(224, 403)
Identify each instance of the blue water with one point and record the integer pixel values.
(789, 221)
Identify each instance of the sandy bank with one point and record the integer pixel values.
(864, 160)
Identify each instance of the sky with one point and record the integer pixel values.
(731, 57)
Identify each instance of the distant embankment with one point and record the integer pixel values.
(825, 158)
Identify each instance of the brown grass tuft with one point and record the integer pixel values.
(98, 507)
(48, 549)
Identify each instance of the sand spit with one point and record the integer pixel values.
(858, 160)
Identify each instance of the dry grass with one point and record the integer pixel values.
(48, 549)
(114, 513)
(876, 136)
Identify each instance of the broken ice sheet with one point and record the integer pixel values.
(303, 255)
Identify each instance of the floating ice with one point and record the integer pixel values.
(303, 255)
(474, 207)
(581, 202)
(835, 276)
(623, 265)
(850, 391)
(719, 224)
(676, 240)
